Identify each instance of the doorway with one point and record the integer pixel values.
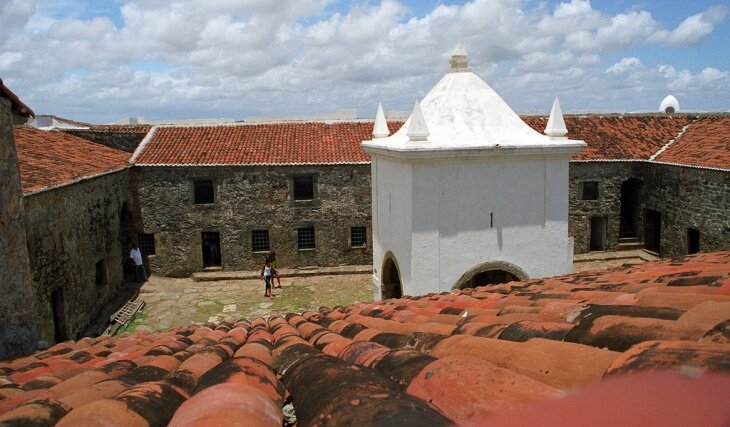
(598, 233)
(693, 241)
(490, 277)
(652, 229)
(59, 316)
(391, 283)
(629, 201)
(211, 249)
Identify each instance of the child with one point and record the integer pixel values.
(272, 259)
(266, 272)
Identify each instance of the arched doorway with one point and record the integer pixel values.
(490, 273)
(629, 207)
(391, 286)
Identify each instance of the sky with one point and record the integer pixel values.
(100, 61)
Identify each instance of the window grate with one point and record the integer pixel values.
(305, 238)
(358, 236)
(146, 243)
(260, 240)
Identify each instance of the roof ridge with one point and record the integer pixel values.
(671, 141)
(138, 151)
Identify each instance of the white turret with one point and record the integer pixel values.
(380, 129)
(465, 193)
(555, 128)
(417, 130)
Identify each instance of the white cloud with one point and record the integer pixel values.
(693, 29)
(234, 58)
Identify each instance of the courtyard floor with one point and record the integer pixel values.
(213, 296)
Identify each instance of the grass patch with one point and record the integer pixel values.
(138, 320)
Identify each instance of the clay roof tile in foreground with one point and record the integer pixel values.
(50, 158)
(705, 143)
(642, 345)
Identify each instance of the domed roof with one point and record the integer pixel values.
(669, 105)
(463, 111)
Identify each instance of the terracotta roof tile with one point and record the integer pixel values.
(705, 143)
(437, 359)
(50, 158)
(274, 143)
(634, 137)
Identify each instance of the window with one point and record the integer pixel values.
(590, 190)
(260, 240)
(305, 238)
(358, 236)
(303, 187)
(203, 192)
(101, 273)
(146, 243)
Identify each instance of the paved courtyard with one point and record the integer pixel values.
(218, 295)
(180, 302)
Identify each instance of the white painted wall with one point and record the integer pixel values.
(434, 215)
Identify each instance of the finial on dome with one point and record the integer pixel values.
(380, 129)
(417, 130)
(556, 125)
(459, 60)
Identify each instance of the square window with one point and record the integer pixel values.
(303, 187)
(146, 243)
(305, 238)
(260, 240)
(590, 190)
(358, 236)
(203, 192)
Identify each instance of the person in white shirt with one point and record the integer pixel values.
(136, 255)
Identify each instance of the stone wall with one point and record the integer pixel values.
(253, 198)
(17, 328)
(610, 176)
(689, 198)
(121, 141)
(70, 230)
(685, 197)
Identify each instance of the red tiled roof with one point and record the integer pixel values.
(705, 143)
(624, 339)
(50, 158)
(630, 137)
(271, 143)
(626, 137)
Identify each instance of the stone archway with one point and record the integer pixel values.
(391, 286)
(490, 273)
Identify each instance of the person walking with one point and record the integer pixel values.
(136, 255)
(266, 273)
(272, 259)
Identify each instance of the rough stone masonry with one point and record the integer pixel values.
(17, 333)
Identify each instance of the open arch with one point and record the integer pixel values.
(391, 286)
(490, 273)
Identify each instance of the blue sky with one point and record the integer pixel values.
(101, 61)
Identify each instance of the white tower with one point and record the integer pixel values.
(669, 105)
(465, 193)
